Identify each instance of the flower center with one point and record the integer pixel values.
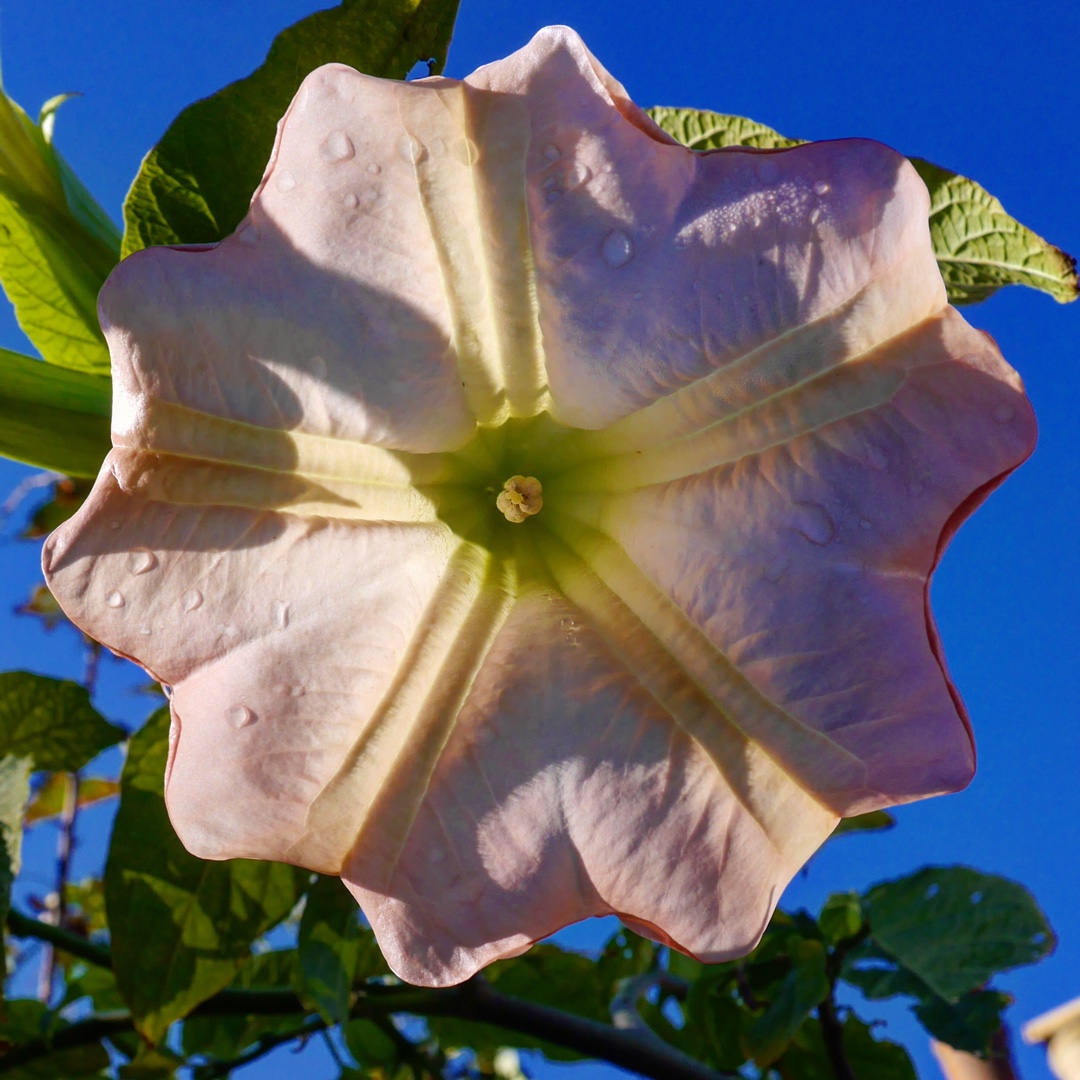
(521, 497)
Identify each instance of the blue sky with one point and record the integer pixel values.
(985, 89)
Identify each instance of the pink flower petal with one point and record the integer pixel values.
(756, 424)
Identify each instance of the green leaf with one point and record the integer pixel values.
(224, 1037)
(869, 1058)
(979, 247)
(14, 791)
(56, 245)
(955, 928)
(53, 417)
(546, 975)
(195, 186)
(48, 801)
(181, 927)
(970, 1024)
(714, 1020)
(804, 988)
(703, 130)
(369, 1044)
(51, 721)
(329, 944)
(874, 821)
(841, 916)
(27, 1021)
(150, 1063)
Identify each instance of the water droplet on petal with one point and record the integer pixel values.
(878, 458)
(191, 600)
(813, 522)
(915, 488)
(146, 631)
(248, 234)
(617, 249)
(351, 201)
(1004, 413)
(374, 168)
(318, 367)
(285, 180)
(465, 151)
(815, 216)
(865, 524)
(411, 149)
(768, 171)
(337, 146)
(239, 716)
(579, 173)
(140, 561)
(436, 855)
(821, 187)
(552, 152)
(114, 524)
(280, 612)
(115, 600)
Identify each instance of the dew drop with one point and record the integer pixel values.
(865, 524)
(239, 716)
(248, 235)
(140, 561)
(878, 458)
(318, 367)
(288, 690)
(411, 149)
(813, 522)
(821, 187)
(768, 171)
(114, 524)
(285, 180)
(815, 216)
(115, 600)
(191, 600)
(1004, 413)
(337, 146)
(617, 249)
(552, 152)
(280, 614)
(436, 855)
(465, 151)
(146, 631)
(351, 201)
(578, 174)
(374, 168)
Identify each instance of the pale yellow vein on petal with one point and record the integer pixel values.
(791, 743)
(897, 300)
(470, 177)
(790, 817)
(857, 386)
(371, 802)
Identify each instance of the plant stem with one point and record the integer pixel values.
(474, 1000)
(833, 1032)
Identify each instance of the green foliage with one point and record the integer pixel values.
(330, 946)
(955, 928)
(57, 245)
(51, 721)
(222, 1038)
(14, 789)
(869, 1058)
(979, 247)
(194, 187)
(181, 927)
(874, 821)
(27, 1021)
(53, 417)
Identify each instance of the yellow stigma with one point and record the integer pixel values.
(521, 497)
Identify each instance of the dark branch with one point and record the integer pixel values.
(475, 1000)
(833, 1032)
